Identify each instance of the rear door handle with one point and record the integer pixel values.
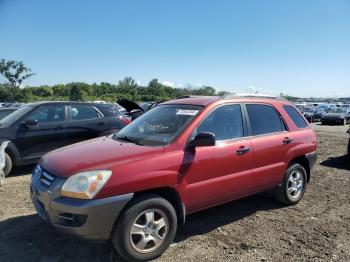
(287, 140)
(101, 124)
(58, 127)
(242, 150)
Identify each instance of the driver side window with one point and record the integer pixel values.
(48, 114)
(224, 122)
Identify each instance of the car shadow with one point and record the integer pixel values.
(339, 162)
(211, 219)
(22, 170)
(28, 238)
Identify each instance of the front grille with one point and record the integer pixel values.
(44, 177)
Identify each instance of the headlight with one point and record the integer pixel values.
(85, 185)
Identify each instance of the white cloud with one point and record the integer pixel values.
(168, 83)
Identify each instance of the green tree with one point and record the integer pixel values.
(14, 72)
(77, 93)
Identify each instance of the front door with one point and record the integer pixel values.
(222, 172)
(49, 133)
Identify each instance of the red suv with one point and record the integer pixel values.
(185, 155)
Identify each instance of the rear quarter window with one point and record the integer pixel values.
(295, 116)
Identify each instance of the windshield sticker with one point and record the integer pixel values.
(187, 112)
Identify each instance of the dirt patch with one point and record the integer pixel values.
(252, 229)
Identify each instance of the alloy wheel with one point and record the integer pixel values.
(295, 184)
(149, 231)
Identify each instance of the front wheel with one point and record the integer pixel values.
(146, 229)
(293, 186)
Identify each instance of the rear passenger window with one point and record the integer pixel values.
(81, 112)
(264, 119)
(224, 122)
(295, 116)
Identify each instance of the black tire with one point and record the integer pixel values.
(8, 165)
(281, 193)
(349, 148)
(121, 238)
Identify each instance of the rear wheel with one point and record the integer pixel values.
(293, 185)
(8, 164)
(345, 122)
(145, 229)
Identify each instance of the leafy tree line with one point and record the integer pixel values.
(77, 91)
(14, 73)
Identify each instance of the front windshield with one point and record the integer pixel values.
(338, 110)
(13, 117)
(160, 125)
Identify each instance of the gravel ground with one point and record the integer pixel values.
(252, 229)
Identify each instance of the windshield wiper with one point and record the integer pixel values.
(129, 139)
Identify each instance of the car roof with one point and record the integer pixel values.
(63, 102)
(207, 100)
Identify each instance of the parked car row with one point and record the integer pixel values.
(146, 178)
(326, 113)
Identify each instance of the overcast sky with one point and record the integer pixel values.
(300, 48)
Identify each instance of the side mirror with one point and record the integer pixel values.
(203, 139)
(31, 122)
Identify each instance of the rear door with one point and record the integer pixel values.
(85, 122)
(222, 172)
(272, 144)
(50, 132)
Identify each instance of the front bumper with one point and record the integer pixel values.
(88, 219)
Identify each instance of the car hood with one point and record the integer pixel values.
(98, 153)
(129, 105)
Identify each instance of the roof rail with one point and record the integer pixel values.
(191, 96)
(248, 95)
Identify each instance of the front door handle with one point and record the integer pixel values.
(287, 140)
(101, 124)
(242, 150)
(58, 127)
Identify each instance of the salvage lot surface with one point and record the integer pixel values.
(252, 229)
